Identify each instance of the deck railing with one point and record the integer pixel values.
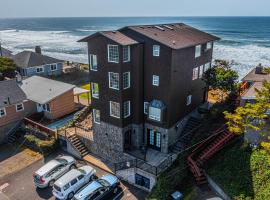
(39, 127)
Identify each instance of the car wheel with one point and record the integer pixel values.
(92, 178)
(115, 190)
(51, 183)
(72, 167)
(70, 195)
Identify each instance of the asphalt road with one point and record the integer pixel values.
(20, 186)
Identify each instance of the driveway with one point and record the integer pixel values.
(19, 186)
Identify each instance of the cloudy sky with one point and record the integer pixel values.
(89, 8)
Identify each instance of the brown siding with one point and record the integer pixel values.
(61, 106)
(12, 115)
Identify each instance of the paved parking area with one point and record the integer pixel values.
(20, 186)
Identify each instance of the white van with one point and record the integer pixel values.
(71, 182)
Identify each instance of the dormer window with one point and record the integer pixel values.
(198, 51)
(113, 53)
(2, 112)
(156, 50)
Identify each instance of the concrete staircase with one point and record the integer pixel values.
(192, 125)
(78, 145)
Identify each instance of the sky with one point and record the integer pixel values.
(99, 8)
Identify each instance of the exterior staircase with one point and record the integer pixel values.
(191, 126)
(204, 151)
(11, 135)
(78, 145)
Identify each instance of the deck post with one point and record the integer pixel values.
(88, 98)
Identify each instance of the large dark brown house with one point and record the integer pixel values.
(145, 80)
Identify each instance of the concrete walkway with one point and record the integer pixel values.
(98, 163)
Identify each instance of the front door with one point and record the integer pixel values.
(128, 142)
(154, 139)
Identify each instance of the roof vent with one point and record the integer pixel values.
(38, 49)
(259, 69)
(113, 31)
(160, 28)
(168, 27)
(173, 41)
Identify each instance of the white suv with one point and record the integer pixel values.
(51, 171)
(71, 182)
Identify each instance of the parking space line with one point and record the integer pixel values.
(4, 186)
(120, 193)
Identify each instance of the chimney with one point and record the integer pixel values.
(259, 69)
(38, 49)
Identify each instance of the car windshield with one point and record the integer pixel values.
(104, 182)
(61, 160)
(57, 188)
(82, 171)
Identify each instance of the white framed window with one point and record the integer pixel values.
(195, 73)
(114, 109)
(155, 80)
(19, 107)
(207, 66)
(201, 71)
(126, 53)
(93, 62)
(113, 53)
(53, 67)
(114, 80)
(95, 90)
(126, 109)
(46, 107)
(198, 51)
(126, 80)
(209, 45)
(39, 69)
(146, 107)
(189, 98)
(96, 116)
(2, 112)
(156, 50)
(154, 113)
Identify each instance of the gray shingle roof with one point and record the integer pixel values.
(31, 59)
(10, 93)
(43, 90)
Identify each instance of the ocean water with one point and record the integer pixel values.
(245, 41)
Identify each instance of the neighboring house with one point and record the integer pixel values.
(252, 80)
(54, 98)
(35, 63)
(5, 52)
(14, 106)
(145, 80)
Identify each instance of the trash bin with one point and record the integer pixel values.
(177, 195)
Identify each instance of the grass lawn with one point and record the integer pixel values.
(243, 173)
(87, 87)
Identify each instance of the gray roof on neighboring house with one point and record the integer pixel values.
(10, 93)
(31, 59)
(6, 53)
(43, 90)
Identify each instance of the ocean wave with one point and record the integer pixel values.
(87, 30)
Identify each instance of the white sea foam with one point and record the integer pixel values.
(64, 45)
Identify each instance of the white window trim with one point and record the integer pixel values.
(153, 117)
(155, 80)
(207, 67)
(94, 116)
(146, 106)
(128, 86)
(128, 60)
(201, 71)
(110, 81)
(5, 112)
(118, 117)
(125, 116)
(90, 61)
(108, 52)
(199, 55)
(189, 100)
(17, 107)
(156, 52)
(52, 70)
(196, 69)
(96, 96)
(40, 68)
